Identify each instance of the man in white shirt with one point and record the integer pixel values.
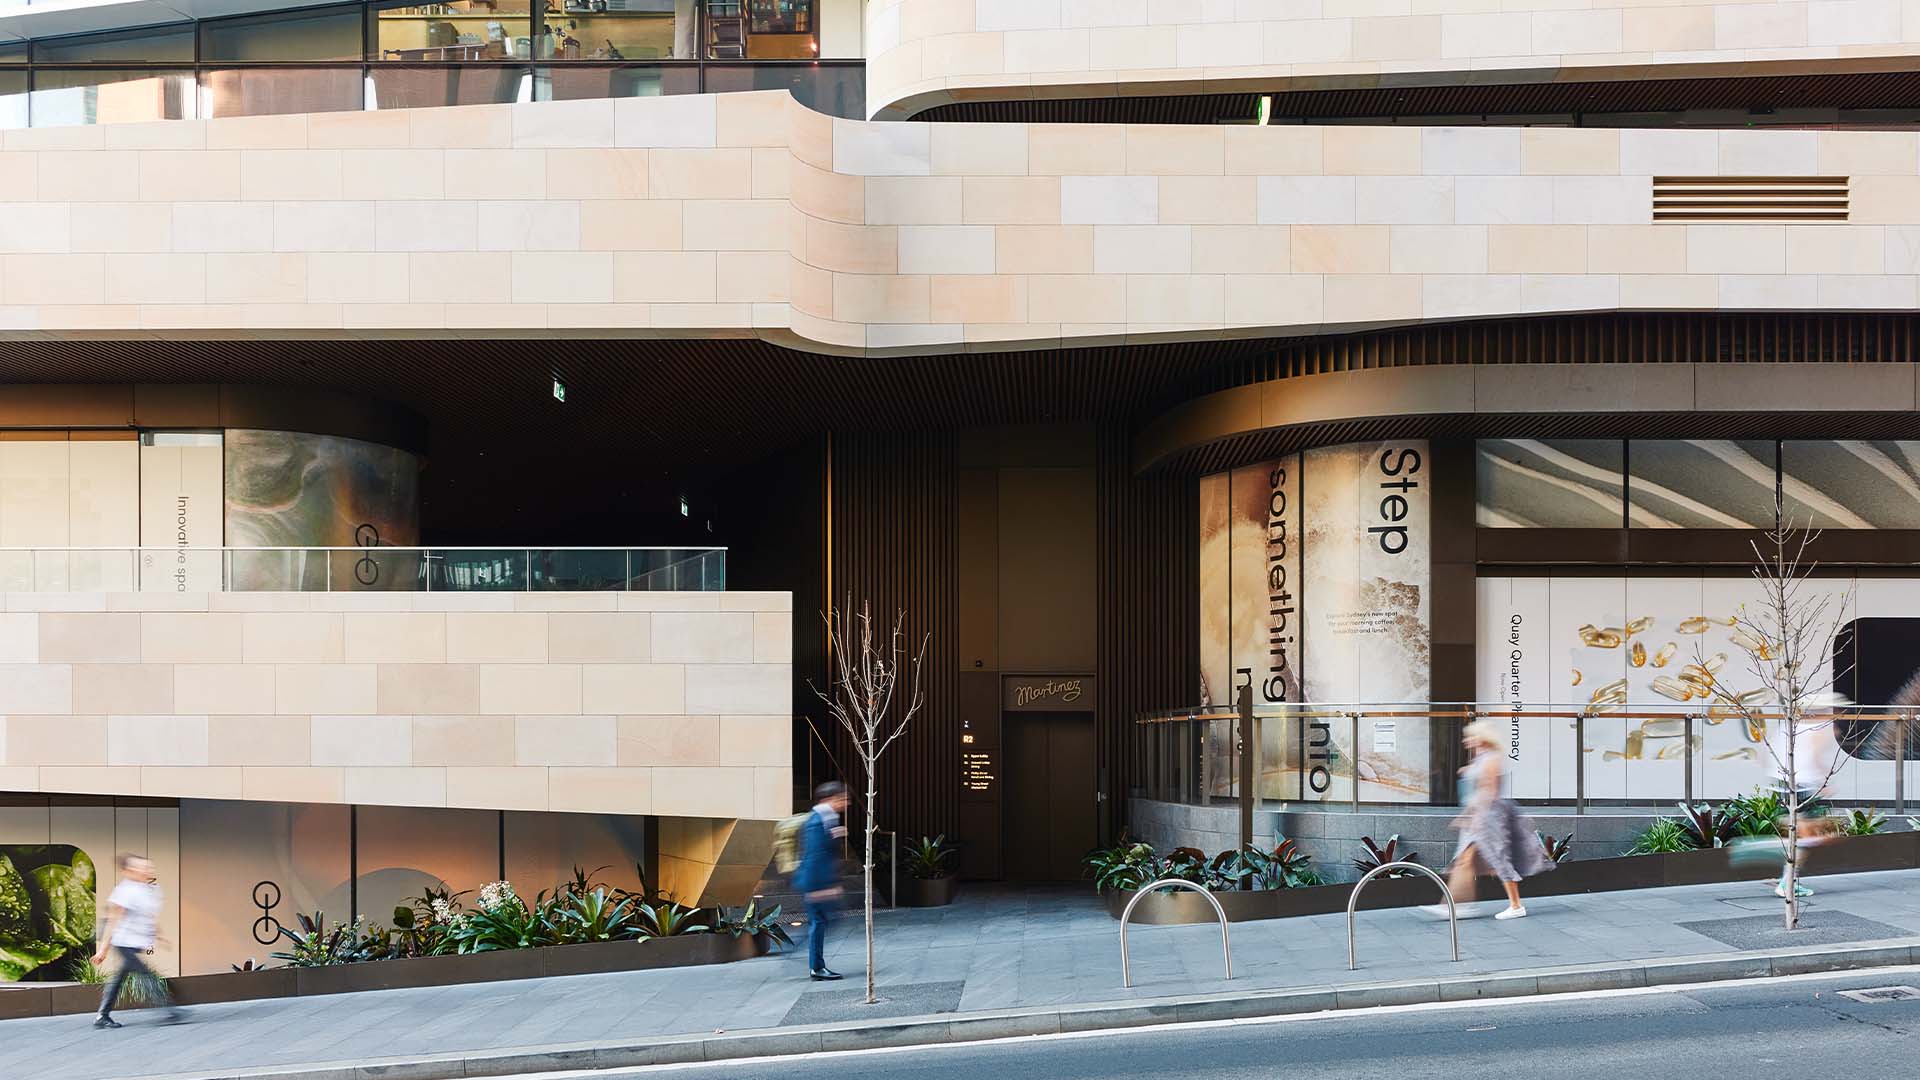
(133, 918)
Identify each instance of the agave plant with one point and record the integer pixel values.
(595, 915)
(1706, 826)
(501, 920)
(752, 921)
(1558, 850)
(667, 920)
(929, 858)
(1375, 855)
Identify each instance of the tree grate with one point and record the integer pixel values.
(1881, 994)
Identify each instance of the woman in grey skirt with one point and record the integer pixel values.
(1494, 838)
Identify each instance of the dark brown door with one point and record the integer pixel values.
(1049, 821)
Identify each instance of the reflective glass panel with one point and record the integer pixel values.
(569, 82)
(154, 44)
(762, 30)
(461, 30)
(834, 89)
(326, 34)
(1700, 484)
(419, 88)
(1550, 483)
(1852, 484)
(62, 98)
(634, 30)
(271, 91)
(13, 99)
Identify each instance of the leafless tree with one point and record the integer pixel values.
(875, 694)
(1787, 640)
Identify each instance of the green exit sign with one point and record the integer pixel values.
(559, 391)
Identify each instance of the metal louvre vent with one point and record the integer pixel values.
(1882, 993)
(1750, 198)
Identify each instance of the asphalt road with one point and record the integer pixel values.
(1757, 1030)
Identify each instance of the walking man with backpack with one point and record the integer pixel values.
(817, 877)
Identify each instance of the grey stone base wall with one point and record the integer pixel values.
(1332, 836)
(1211, 829)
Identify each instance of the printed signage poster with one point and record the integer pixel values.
(1314, 586)
(1650, 646)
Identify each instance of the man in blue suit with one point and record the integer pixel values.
(818, 875)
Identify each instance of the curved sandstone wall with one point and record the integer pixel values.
(929, 52)
(749, 214)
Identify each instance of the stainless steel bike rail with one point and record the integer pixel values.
(1353, 901)
(1226, 949)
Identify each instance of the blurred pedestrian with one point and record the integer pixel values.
(818, 876)
(1816, 753)
(133, 922)
(1494, 837)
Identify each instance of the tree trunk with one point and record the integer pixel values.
(872, 796)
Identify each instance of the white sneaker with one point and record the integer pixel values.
(1513, 913)
(1438, 911)
(1798, 890)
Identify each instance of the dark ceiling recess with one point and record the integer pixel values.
(644, 420)
(1505, 102)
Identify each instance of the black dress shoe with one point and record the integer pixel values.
(106, 1022)
(825, 975)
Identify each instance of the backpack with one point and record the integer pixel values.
(786, 843)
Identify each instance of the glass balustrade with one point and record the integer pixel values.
(361, 569)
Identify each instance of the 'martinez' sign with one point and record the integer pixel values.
(1048, 693)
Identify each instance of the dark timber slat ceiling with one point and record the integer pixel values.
(509, 464)
(1877, 90)
(639, 413)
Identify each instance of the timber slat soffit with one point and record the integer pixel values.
(1750, 198)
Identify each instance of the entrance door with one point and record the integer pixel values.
(1049, 824)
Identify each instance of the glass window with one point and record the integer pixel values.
(153, 44)
(1550, 483)
(271, 91)
(425, 87)
(1851, 484)
(13, 99)
(460, 30)
(13, 52)
(569, 83)
(325, 34)
(106, 96)
(834, 89)
(1700, 484)
(762, 30)
(635, 30)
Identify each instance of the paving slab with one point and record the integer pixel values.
(1012, 961)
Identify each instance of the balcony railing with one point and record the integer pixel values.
(361, 569)
(1343, 756)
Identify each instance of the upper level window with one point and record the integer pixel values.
(763, 29)
(151, 45)
(459, 30)
(618, 30)
(323, 34)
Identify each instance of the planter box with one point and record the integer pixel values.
(1893, 851)
(926, 892)
(553, 960)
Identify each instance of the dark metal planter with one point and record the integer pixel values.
(926, 892)
(599, 958)
(1893, 851)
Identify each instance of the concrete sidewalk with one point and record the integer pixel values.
(999, 962)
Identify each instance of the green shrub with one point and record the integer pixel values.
(1664, 837)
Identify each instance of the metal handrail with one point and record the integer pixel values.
(1353, 901)
(1226, 949)
(383, 548)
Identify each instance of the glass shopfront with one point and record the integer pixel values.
(387, 55)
